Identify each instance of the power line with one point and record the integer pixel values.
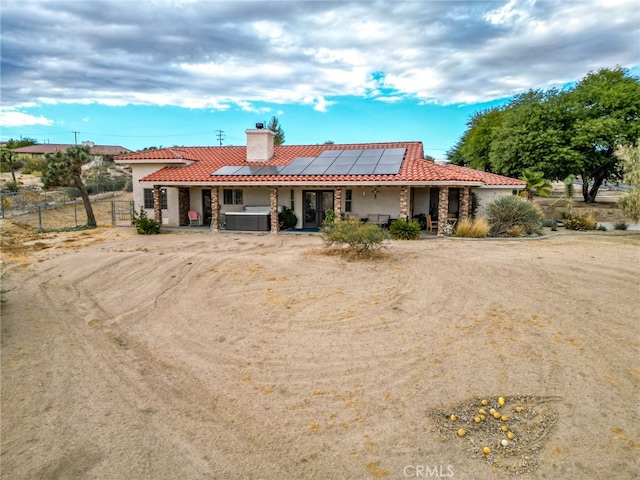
(220, 135)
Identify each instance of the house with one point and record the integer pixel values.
(236, 185)
(97, 151)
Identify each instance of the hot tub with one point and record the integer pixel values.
(255, 221)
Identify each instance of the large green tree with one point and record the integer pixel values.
(274, 126)
(64, 169)
(559, 132)
(534, 134)
(607, 115)
(472, 150)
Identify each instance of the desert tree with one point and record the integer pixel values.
(10, 159)
(64, 169)
(275, 127)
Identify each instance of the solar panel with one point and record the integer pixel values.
(394, 151)
(362, 169)
(344, 161)
(228, 170)
(390, 160)
(323, 161)
(367, 160)
(267, 170)
(315, 169)
(372, 161)
(302, 161)
(292, 169)
(330, 153)
(382, 169)
(338, 169)
(351, 153)
(373, 152)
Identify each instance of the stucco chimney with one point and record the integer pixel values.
(259, 144)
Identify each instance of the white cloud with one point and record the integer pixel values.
(215, 55)
(11, 117)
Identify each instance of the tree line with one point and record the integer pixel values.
(561, 132)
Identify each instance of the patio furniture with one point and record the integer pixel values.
(431, 224)
(378, 219)
(194, 219)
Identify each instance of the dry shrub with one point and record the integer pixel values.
(585, 221)
(478, 228)
(515, 231)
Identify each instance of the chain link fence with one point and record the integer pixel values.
(53, 210)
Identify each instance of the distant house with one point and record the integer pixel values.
(97, 151)
(237, 187)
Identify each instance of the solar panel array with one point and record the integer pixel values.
(374, 161)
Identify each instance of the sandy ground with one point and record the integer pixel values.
(228, 356)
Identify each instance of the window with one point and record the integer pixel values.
(148, 198)
(232, 197)
(347, 200)
(293, 204)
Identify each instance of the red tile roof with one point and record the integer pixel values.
(200, 162)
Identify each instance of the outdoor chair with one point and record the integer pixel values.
(194, 219)
(431, 224)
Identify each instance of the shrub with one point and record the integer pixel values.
(584, 221)
(620, 225)
(11, 186)
(405, 229)
(287, 219)
(360, 238)
(548, 222)
(144, 224)
(601, 228)
(36, 164)
(508, 212)
(478, 228)
(515, 231)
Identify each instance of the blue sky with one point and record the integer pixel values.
(174, 72)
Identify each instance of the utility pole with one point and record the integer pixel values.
(75, 136)
(220, 135)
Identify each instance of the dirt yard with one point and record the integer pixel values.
(240, 356)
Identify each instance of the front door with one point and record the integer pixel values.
(206, 206)
(315, 204)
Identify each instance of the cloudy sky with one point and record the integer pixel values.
(139, 73)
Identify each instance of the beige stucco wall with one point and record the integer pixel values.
(138, 172)
(488, 195)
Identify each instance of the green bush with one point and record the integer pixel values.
(287, 219)
(620, 225)
(359, 238)
(144, 224)
(11, 186)
(584, 221)
(405, 230)
(467, 228)
(36, 164)
(507, 212)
